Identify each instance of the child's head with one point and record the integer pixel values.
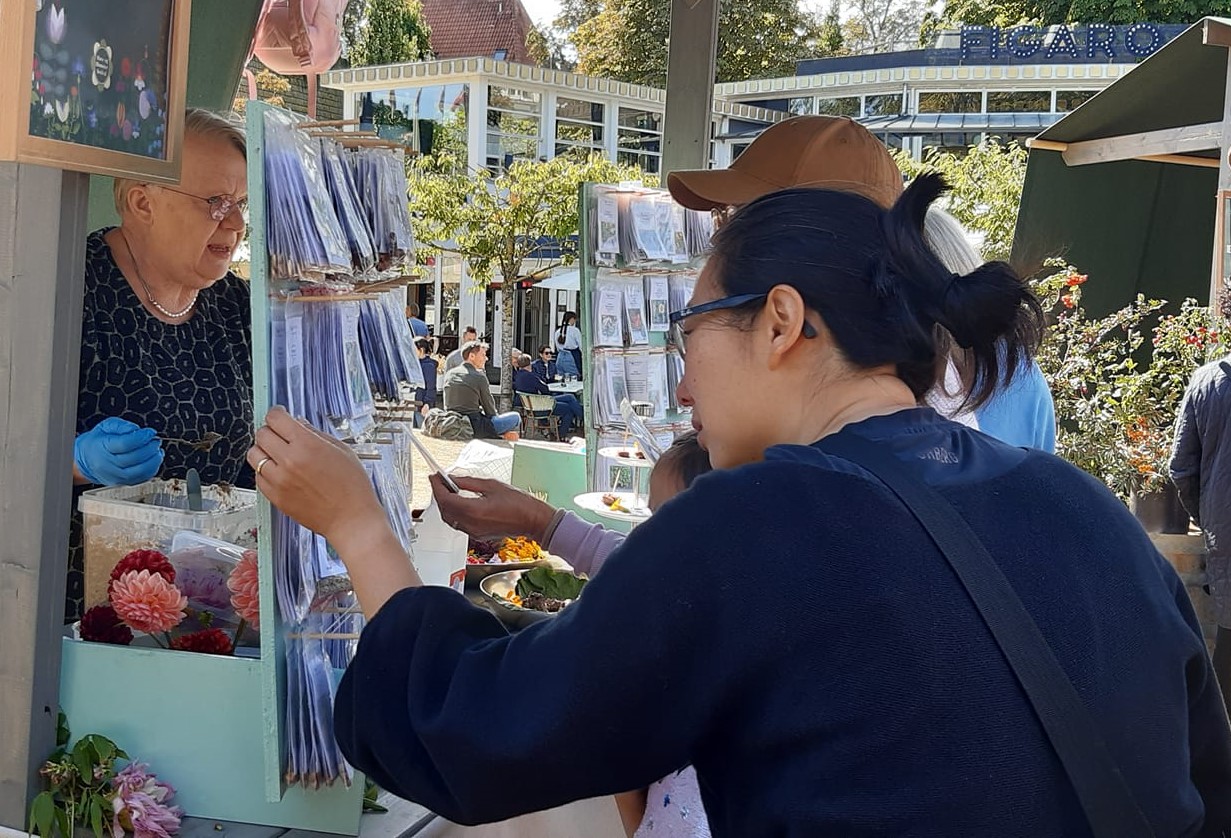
(676, 469)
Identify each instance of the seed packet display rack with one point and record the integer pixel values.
(314, 323)
(640, 260)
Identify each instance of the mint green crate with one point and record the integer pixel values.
(556, 473)
(197, 721)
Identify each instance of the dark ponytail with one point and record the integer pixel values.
(878, 286)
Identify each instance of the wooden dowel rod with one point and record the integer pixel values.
(330, 298)
(1182, 160)
(1046, 145)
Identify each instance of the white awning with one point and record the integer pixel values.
(567, 281)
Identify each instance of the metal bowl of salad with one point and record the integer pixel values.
(522, 597)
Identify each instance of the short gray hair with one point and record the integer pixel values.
(948, 239)
(198, 122)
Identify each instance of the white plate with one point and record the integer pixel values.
(613, 454)
(593, 502)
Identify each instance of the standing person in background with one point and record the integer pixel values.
(568, 338)
(1200, 467)
(454, 359)
(1021, 411)
(418, 328)
(545, 366)
(425, 396)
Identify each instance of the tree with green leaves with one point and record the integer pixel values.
(985, 189)
(390, 32)
(495, 222)
(1047, 12)
(882, 25)
(627, 40)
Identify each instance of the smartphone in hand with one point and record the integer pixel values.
(433, 465)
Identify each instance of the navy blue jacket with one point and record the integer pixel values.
(788, 628)
(428, 392)
(525, 381)
(545, 371)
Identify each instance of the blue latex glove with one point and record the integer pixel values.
(115, 452)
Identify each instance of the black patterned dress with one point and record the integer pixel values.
(185, 380)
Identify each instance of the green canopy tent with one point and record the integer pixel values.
(1125, 187)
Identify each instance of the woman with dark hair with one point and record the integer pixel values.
(568, 339)
(788, 625)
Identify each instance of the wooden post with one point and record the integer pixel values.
(42, 267)
(1224, 183)
(691, 67)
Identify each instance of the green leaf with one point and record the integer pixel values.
(62, 730)
(42, 814)
(64, 823)
(103, 747)
(83, 760)
(96, 817)
(556, 584)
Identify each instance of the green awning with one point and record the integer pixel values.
(1135, 226)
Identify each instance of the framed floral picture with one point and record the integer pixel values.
(103, 84)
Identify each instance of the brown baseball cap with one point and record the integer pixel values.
(822, 152)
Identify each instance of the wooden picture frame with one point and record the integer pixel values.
(95, 86)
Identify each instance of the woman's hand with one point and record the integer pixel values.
(115, 452)
(313, 478)
(499, 510)
(319, 482)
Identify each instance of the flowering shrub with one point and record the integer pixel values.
(1116, 402)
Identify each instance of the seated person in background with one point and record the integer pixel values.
(467, 392)
(526, 380)
(545, 366)
(513, 356)
(425, 396)
(454, 358)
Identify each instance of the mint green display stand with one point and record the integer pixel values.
(197, 721)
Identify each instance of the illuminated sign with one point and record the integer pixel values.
(1093, 42)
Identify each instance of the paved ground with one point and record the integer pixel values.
(445, 452)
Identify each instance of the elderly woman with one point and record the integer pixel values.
(789, 625)
(166, 354)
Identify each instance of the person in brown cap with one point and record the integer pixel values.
(821, 152)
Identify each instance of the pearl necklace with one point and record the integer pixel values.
(149, 295)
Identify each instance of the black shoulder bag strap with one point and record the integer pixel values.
(1105, 797)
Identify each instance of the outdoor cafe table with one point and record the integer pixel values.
(573, 387)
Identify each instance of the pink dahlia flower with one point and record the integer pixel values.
(244, 583)
(141, 805)
(148, 602)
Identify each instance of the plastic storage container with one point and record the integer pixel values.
(120, 519)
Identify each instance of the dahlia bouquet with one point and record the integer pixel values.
(142, 596)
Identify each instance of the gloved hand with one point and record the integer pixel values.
(115, 452)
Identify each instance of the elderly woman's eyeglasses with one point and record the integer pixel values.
(721, 304)
(220, 206)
